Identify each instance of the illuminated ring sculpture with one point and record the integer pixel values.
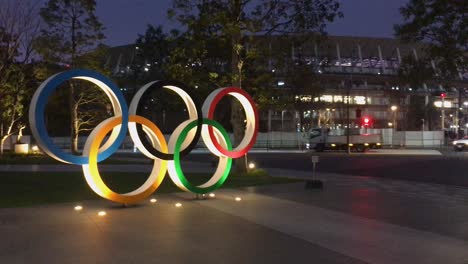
(251, 114)
(194, 112)
(91, 172)
(175, 169)
(166, 156)
(37, 113)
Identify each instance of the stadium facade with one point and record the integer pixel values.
(359, 79)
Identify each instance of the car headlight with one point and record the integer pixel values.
(455, 142)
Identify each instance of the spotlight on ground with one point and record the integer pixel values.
(102, 213)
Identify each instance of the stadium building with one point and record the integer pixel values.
(359, 81)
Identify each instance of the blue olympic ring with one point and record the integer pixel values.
(37, 114)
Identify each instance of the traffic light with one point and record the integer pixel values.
(366, 121)
(440, 94)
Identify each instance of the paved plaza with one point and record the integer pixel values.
(352, 220)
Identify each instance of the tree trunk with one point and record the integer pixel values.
(73, 120)
(9, 131)
(237, 121)
(237, 118)
(459, 90)
(2, 142)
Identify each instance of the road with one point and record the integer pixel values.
(450, 168)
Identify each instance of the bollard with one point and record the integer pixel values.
(314, 183)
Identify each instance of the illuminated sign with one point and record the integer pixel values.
(166, 156)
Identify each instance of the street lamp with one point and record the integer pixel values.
(466, 125)
(422, 132)
(282, 120)
(282, 126)
(394, 108)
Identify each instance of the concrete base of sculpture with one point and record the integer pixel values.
(22, 148)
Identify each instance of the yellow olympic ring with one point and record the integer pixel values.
(91, 149)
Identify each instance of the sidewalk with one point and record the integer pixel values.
(353, 220)
(403, 152)
(384, 151)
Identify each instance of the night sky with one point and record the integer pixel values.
(125, 19)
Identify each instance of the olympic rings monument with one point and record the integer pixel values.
(166, 156)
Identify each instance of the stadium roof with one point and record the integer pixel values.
(327, 47)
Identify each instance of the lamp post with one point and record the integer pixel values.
(464, 118)
(442, 97)
(282, 126)
(348, 90)
(422, 132)
(394, 108)
(282, 120)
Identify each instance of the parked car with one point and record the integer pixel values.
(460, 144)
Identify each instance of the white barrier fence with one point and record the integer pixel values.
(413, 138)
(290, 140)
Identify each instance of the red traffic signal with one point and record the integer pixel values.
(366, 121)
(442, 95)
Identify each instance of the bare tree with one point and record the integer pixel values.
(19, 26)
(72, 31)
(12, 105)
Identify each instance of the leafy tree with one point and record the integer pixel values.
(416, 73)
(233, 24)
(441, 25)
(72, 31)
(151, 54)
